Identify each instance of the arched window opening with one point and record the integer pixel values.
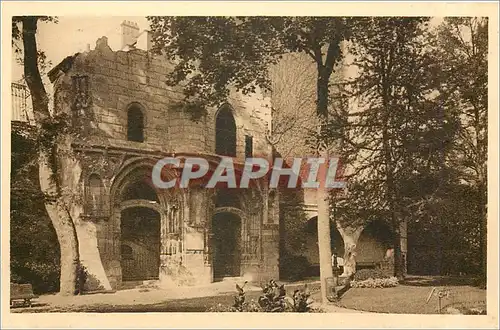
(135, 124)
(225, 133)
(95, 196)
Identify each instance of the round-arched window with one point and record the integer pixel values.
(225, 133)
(135, 124)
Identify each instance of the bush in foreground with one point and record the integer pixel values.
(272, 300)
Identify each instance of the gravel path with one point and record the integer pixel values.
(153, 299)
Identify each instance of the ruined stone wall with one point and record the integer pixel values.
(118, 79)
(96, 88)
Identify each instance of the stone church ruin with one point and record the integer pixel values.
(128, 230)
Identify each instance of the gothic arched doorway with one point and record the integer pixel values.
(140, 244)
(226, 244)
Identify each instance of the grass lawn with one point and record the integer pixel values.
(405, 299)
(201, 304)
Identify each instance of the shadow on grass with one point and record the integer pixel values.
(414, 280)
(405, 299)
(179, 305)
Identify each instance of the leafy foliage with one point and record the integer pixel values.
(293, 267)
(401, 142)
(17, 29)
(34, 249)
(463, 42)
(211, 54)
(272, 300)
(50, 132)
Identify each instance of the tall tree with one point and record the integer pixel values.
(463, 42)
(52, 141)
(396, 125)
(216, 54)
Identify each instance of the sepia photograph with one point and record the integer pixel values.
(266, 163)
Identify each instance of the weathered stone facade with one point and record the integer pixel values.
(128, 229)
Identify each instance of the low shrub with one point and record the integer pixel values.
(468, 308)
(272, 300)
(475, 311)
(376, 283)
(364, 274)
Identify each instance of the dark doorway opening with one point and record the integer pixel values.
(226, 229)
(140, 244)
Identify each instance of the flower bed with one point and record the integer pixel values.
(376, 283)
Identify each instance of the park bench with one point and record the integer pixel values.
(22, 292)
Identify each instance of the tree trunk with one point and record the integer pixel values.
(324, 238)
(394, 213)
(66, 233)
(391, 194)
(483, 235)
(398, 256)
(349, 260)
(57, 211)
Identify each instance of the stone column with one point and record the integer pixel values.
(194, 256)
(194, 237)
(270, 250)
(112, 248)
